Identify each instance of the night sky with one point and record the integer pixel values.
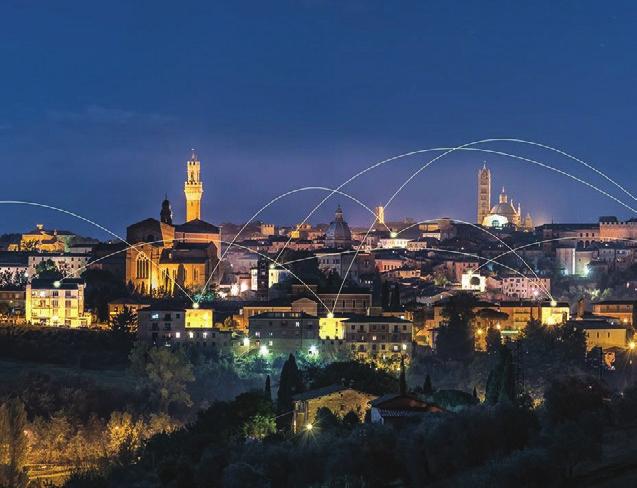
(100, 103)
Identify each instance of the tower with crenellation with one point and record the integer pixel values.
(193, 188)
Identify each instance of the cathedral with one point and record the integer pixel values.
(165, 253)
(502, 214)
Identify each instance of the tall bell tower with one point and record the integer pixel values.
(193, 188)
(484, 193)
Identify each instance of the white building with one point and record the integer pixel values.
(474, 282)
(69, 264)
(525, 287)
(56, 303)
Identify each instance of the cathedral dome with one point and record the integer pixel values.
(338, 233)
(504, 209)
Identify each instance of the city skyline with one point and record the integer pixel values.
(323, 109)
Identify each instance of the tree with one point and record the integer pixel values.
(351, 419)
(455, 338)
(402, 379)
(13, 440)
(427, 387)
(326, 419)
(501, 380)
(124, 323)
(395, 297)
(268, 389)
(493, 340)
(290, 383)
(47, 269)
(168, 374)
(259, 427)
(385, 292)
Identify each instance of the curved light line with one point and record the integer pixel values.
(271, 202)
(466, 147)
(494, 236)
(427, 249)
(574, 158)
(77, 216)
(536, 243)
(133, 246)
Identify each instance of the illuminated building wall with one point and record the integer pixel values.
(51, 305)
(339, 400)
(622, 310)
(379, 338)
(193, 189)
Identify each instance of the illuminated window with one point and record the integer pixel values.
(177, 335)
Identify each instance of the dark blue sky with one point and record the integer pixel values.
(100, 103)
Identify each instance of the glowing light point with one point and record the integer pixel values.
(246, 342)
(330, 315)
(309, 426)
(195, 305)
(313, 350)
(264, 351)
(553, 303)
(272, 266)
(631, 345)
(393, 235)
(57, 284)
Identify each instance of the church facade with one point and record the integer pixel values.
(164, 255)
(502, 214)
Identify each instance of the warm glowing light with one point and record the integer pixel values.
(404, 347)
(330, 315)
(553, 303)
(246, 342)
(309, 426)
(195, 305)
(393, 235)
(57, 284)
(498, 326)
(480, 331)
(631, 345)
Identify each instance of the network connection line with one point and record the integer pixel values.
(436, 249)
(274, 200)
(544, 241)
(480, 228)
(163, 241)
(488, 151)
(89, 221)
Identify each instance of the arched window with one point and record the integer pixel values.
(143, 267)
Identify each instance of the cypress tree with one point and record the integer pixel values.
(268, 389)
(427, 388)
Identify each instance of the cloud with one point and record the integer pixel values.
(96, 114)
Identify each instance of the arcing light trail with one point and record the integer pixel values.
(537, 278)
(483, 141)
(135, 246)
(435, 249)
(360, 173)
(489, 151)
(271, 202)
(554, 239)
(89, 221)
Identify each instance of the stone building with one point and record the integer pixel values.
(165, 257)
(340, 400)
